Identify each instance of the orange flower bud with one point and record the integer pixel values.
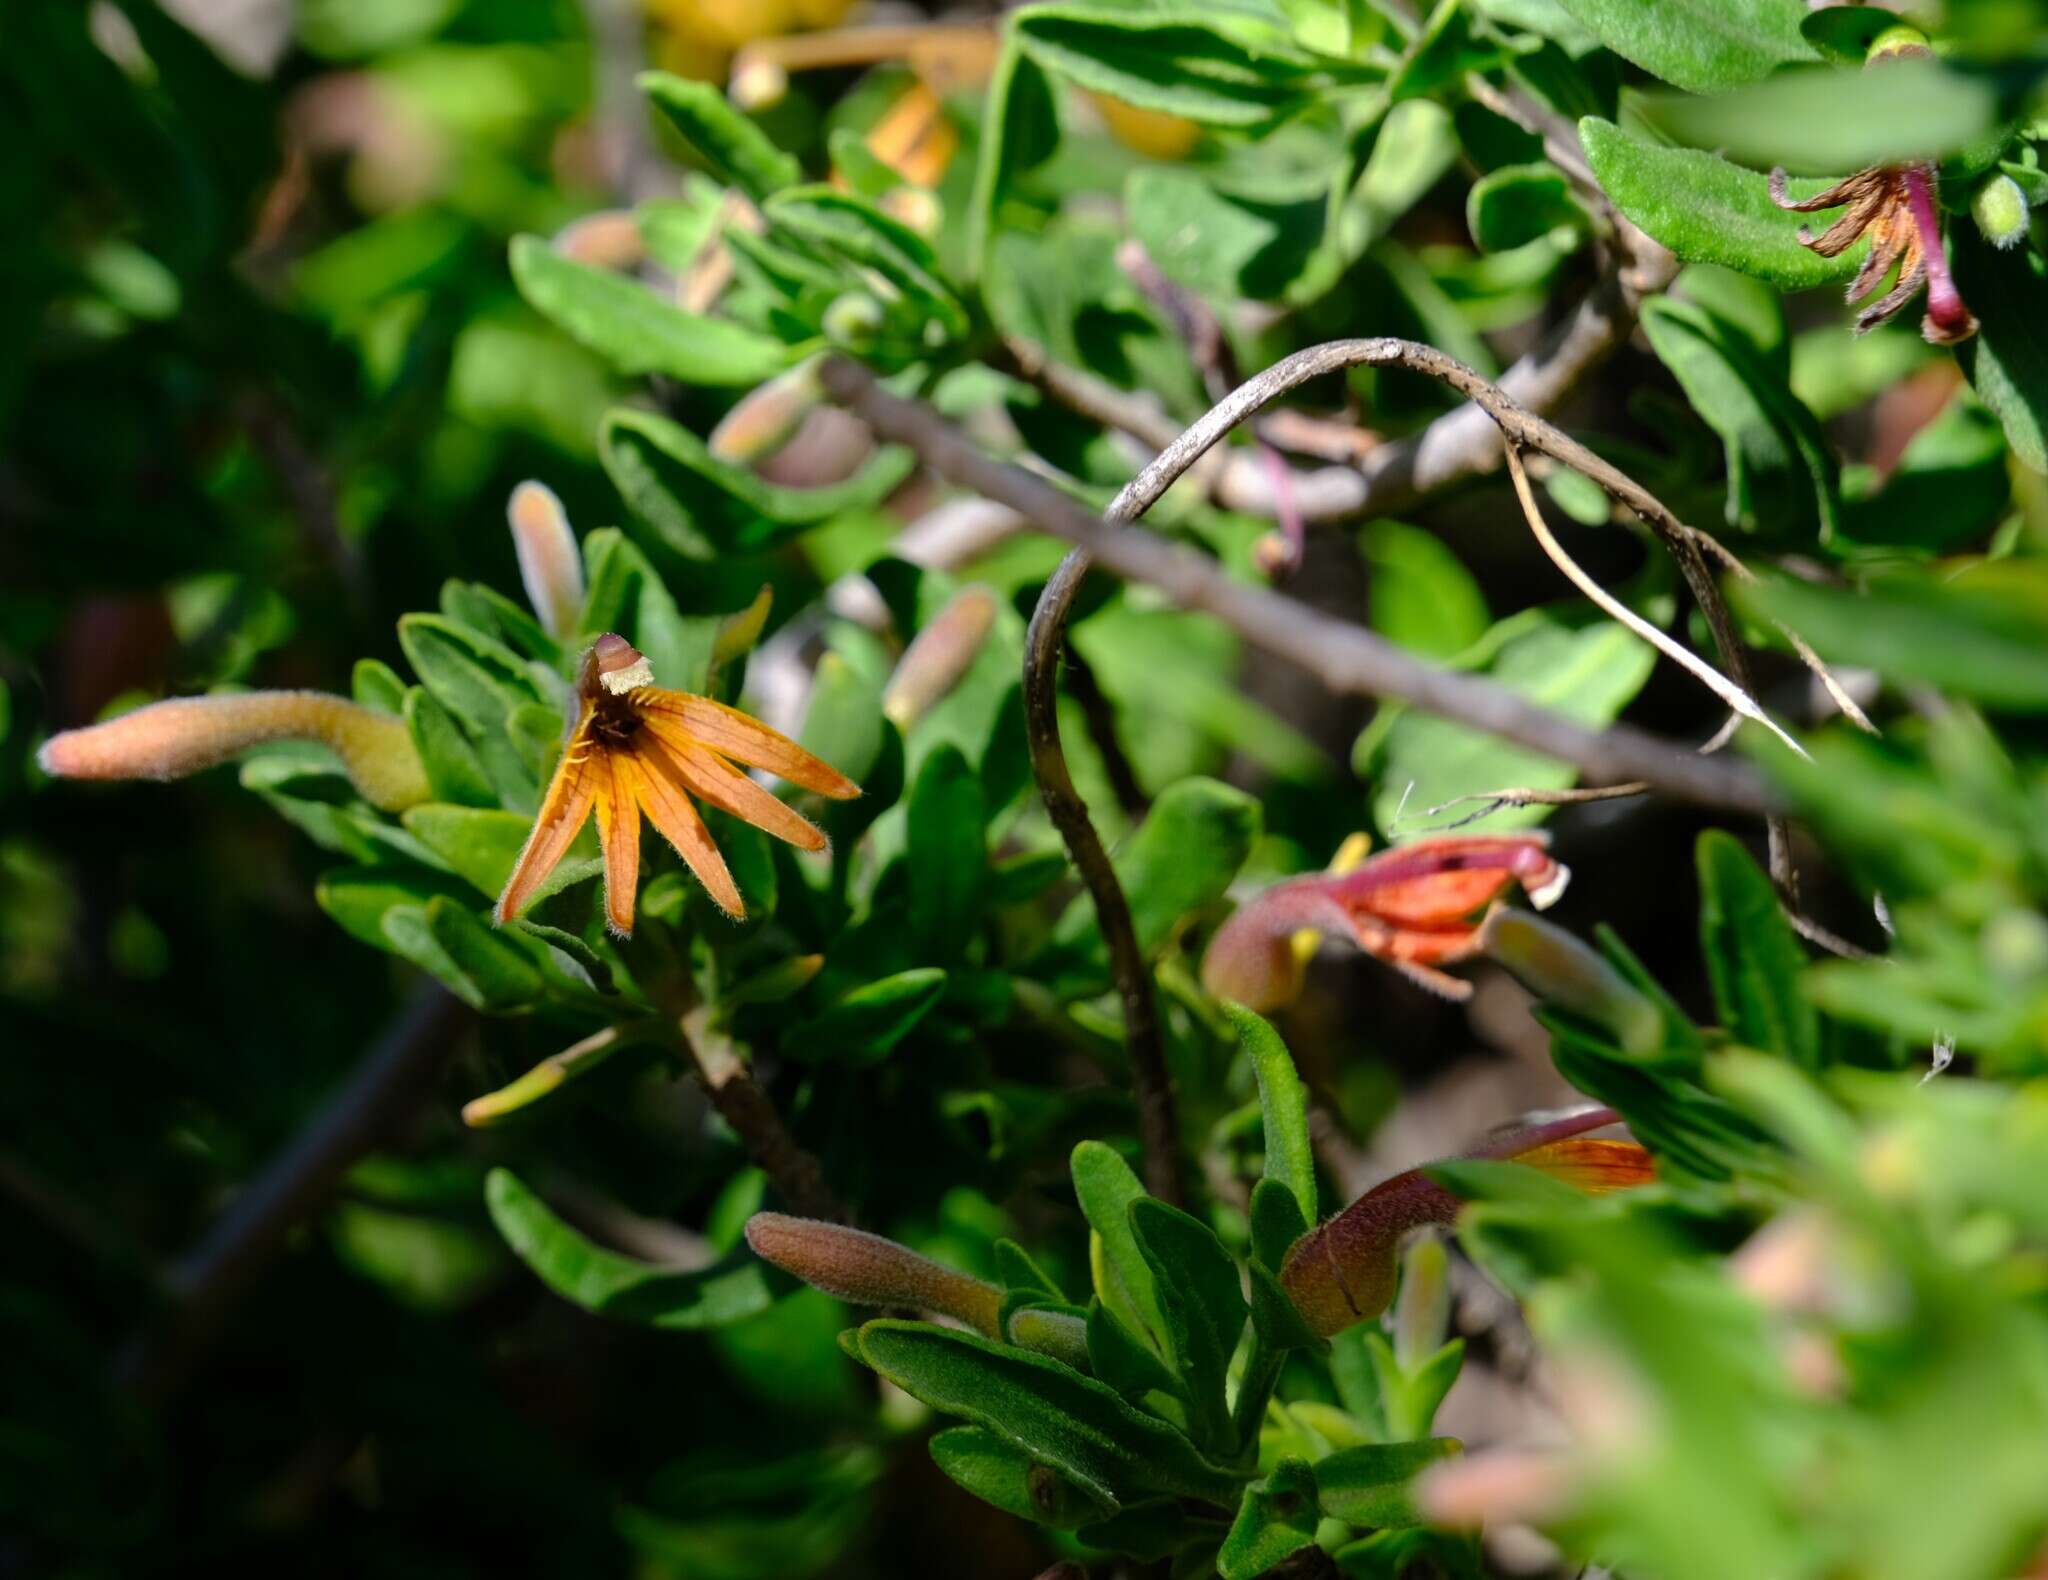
(549, 564)
(768, 417)
(181, 735)
(871, 1271)
(939, 655)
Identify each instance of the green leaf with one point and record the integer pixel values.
(1019, 132)
(375, 684)
(1106, 1188)
(1123, 1360)
(1202, 1300)
(1283, 1108)
(358, 898)
(996, 1472)
(1753, 957)
(1422, 595)
(1514, 206)
(1179, 863)
(1844, 33)
(1981, 632)
(2007, 359)
(1781, 471)
(1019, 1274)
(1276, 1220)
(1708, 210)
(1700, 45)
(500, 975)
(1369, 1485)
(1278, 1320)
(869, 1021)
(477, 679)
(611, 1285)
(853, 229)
(703, 508)
(1074, 1424)
(623, 321)
(1823, 119)
(480, 843)
(1588, 673)
(738, 152)
(1277, 1518)
(1218, 241)
(947, 852)
(1178, 63)
(1409, 1398)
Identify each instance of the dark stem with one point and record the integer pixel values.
(726, 1082)
(1100, 716)
(206, 1281)
(1151, 1085)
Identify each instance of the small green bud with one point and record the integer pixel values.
(1901, 39)
(1999, 207)
(853, 321)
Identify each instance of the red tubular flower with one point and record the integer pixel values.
(1343, 1271)
(1417, 907)
(1893, 205)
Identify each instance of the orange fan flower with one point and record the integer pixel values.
(635, 747)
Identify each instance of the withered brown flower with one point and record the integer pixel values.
(635, 747)
(1893, 205)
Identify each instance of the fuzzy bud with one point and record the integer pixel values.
(1560, 970)
(939, 655)
(1059, 1334)
(549, 564)
(768, 417)
(549, 1075)
(1422, 1314)
(608, 239)
(871, 1271)
(182, 735)
(2000, 209)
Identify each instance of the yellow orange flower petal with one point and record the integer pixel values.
(571, 794)
(711, 778)
(618, 827)
(747, 740)
(669, 810)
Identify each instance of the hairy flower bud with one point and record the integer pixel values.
(549, 564)
(853, 321)
(1059, 1334)
(939, 655)
(608, 239)
(2000, 209)
(768, 417)
(871, 1271)
(1559, 969)
(182, 735)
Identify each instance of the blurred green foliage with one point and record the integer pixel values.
(300, 292)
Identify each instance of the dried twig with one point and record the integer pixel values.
(1716, 682)
(1527, 795)
(1348, 659)
(1151, 1085)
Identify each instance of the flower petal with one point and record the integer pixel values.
(745, 740)
(618, 826)
(710, 777)
(1592, 1164)
(563, 811)
(671, 811)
